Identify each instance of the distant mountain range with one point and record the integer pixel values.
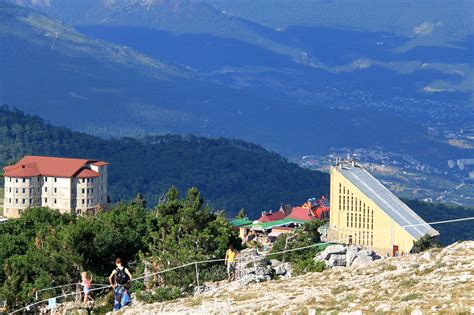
(50, 69)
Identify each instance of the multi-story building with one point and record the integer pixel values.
(365, 212)
(70, 185)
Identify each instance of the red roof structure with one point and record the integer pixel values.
(301, 213)
(30, 166)
(272, 216)
(87, 173)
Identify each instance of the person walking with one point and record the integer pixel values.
(86, 285)
(231, 262)
(120, 279)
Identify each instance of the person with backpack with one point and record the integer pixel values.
(120, 279)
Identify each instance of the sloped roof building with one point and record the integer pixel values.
(363, 211)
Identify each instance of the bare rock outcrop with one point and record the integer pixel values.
(439, 282)
(345, 256)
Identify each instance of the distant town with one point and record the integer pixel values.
(406, 176)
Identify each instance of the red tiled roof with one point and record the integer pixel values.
(30, 166)
(87, 173)
(273, 216)
(23, 170)
(321, 212)
(300, 214)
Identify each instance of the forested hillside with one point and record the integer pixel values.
(231, 174)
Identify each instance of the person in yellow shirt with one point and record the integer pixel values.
(231, 262)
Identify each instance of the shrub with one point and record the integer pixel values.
(159, 295)
(303, 266)
(425, 243)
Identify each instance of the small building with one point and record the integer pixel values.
(301, 213)
(270, 228)
(76, 186)
(319, 207)
(270, 216)
(237, 223)
(365, 212)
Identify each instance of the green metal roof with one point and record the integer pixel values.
(272, 224)
(239, 222)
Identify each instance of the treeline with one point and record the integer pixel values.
(449, 232)
(231, 174)
(44, 248)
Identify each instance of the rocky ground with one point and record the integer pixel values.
(437, 281)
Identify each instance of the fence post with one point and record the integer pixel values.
(197, 275)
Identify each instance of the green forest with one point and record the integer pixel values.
(44, 248)
(231, 174)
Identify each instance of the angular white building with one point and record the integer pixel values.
(70, 185)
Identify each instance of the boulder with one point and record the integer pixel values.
(280, 269)
(366, 252)
(351, 254)
(337, 260)
(362, 260)
(319, 257)
(275, 262)
(333, 249)
(251, 263)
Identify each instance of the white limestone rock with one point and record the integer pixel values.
(362, 260)
(333, 249)
(337, 260)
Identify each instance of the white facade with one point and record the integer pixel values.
(76, 195)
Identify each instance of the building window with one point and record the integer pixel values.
(83, 191)
(45, 200)
(20, 211)
(31, 191)
(46, 179)
(16, 201)
(9, 200)
(24, 180)
(16, 190)
(55, 190)
(24, 190)
(83, 201)
(83, 180)
(23, 201)
(55, 179)
(46, 189)
(31, 201)
(78, 211)
(39, 200)
(55, 201)
(10, 189)
(16, 180)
